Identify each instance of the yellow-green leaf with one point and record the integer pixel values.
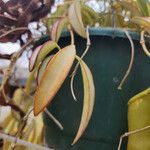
(42, 68)
(131, 6)
(53, 77)
(34, 57)
(90, 16)
(89, 98)
(143, 6)
(44, 50)
(75, 18)
(57, 28)
(142, 22)
(61, 11)
(148, 6)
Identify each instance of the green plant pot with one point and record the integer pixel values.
(108, 58)
(139, 107)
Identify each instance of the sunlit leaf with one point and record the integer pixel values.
(41, 53)
(89, 98)
(75, 18)
(54, 76)
(57, 28)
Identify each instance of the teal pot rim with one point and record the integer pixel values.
(108, 31)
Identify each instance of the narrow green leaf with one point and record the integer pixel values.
(148, 6)
(53, 77)
(89, 98)
(90, 16)
(75, 18)
(57, 28)
(43, 51)
(143, 6)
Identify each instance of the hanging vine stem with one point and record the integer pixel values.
(142, 42)
(13, 30)
(71, 34)
(22, 142)
(77, 65)
(131, 61)
(21, 127)
(54, 119)
(13, 61)
(131, 133)
(7, 74)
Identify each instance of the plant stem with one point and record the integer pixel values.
(14, 58)
(22, 142)
(131, 133)
(13, 30)
(142, 42)
(77, 65)
(131, 61)
(71, 34)
(54, 119)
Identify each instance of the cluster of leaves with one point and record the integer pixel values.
(137, 12)
(140, 12)
(80, 18)
(18, 13)
(139, 18)
(15, 15)
(51, 70)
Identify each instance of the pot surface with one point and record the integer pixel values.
(108, 59)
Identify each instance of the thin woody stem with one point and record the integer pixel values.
(131, 133)
(131, 62)
(21, 127)
(22, 142)
(13, 30)
(7, 74)
(71, 34)
(142, 42)
(77, 65)
(14, 58)
(54, 119)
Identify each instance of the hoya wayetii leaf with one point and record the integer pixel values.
(53, 77)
